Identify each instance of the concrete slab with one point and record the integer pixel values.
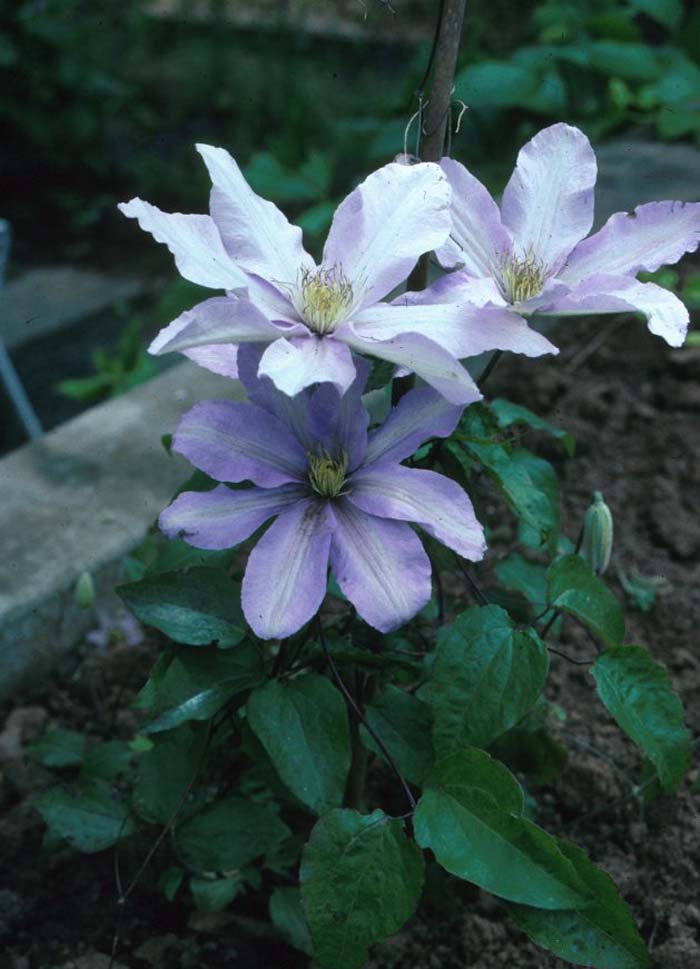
(79, 500)
(46, 299)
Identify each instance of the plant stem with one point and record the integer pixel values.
(443, 61)
(442, 82)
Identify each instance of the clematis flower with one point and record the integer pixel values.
(338, 494)
(531, 256)
(312, 317)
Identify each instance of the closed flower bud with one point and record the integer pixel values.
(84, 592)
(597, 542)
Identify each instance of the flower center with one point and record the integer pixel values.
(326, 296)
(521, 278)
(327, 474)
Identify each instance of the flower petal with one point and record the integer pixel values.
(223, 319)
(460, 287)
(195, 242)
(221, 358)
(478, 238)
(380, 565)
(548, 202)
(286, 577)
(460, 328)
(431, 500)
(339, 423)
(421, 414)
(254, 231)
(239, 442)
(292, 411)
(666, 316)
(654, 235)
(295, 364)
(222, 518)
(384, 225)
(420, 355)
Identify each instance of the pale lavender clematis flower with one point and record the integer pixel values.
(531, 256)
(338, 494)
(312, 317)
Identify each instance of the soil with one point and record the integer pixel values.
(634, 408)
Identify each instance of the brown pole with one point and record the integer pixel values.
(444, 62)
(442, 81)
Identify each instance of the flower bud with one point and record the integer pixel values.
(84, 592)
(597, 542)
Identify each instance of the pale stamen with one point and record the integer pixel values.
(327, 475)
(325, 296)
(521, 279)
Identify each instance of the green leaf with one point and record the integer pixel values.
(510, 475)
(198, 683)
(229, 835)
(214, 894)
(107, 761)
(544, 479)
(666, 12)
(170, 881)
(486, 676)
(632, 61)
(403, 722)
(91, 820)
(361, 879)
(288, 917)
(602, 934)
(508, 413)
(573, 587)
(167, 772)
(490, 84)
(303, 726)
(638, 693)
(176, 555)
(196, 607)
(518, 573)
(59, 748)
(470, 818)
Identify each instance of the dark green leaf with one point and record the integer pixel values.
(544, 479)
(508, 413)
(666, 12)
(107, 761)
(361, 879)
(601, 934)
(303, 726)
(197, 683)
(176, 555)
(196, 607)
(573, 587)
(486, 676)
(167, 772)
(517, 573)
(91, 820)
(470, 818)
(228, 835)
(638, 693)
(59, 748)
(214, 894)
(403, 722)
(288, 917)
(170, 881)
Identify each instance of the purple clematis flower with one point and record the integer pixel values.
(532, 255)
(338, 494)
(312, 317)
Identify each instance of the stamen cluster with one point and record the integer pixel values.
(521, 279)
(327, 475)
(326, 296)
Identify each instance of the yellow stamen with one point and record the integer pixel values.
(325, 297)
(521, 279)
(327, 474)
